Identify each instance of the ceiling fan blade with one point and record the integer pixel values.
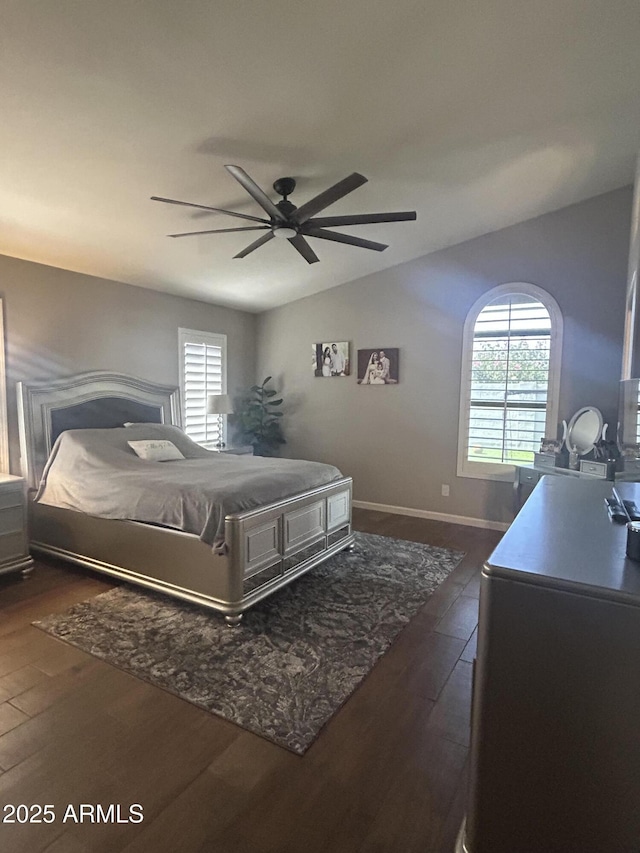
(333, 194)
(344, 238)
(362, 219)
(298, 242)
(205, 207)
(255, 245)
(222, 230)
(255, 192)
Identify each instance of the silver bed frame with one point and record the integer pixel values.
(268, 547)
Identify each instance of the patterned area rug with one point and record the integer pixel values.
(296, 657)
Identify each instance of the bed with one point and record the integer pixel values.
(238, 558)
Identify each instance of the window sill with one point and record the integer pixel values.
(487, 471)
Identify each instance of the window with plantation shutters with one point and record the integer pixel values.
(510, 380)
(203, 357)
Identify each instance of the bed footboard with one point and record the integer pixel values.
(271, 546)
(267, 548)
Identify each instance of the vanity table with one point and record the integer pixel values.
(529, 475)
(583, 436)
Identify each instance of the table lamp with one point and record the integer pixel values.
(219, 404)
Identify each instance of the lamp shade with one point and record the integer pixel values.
(219, 404)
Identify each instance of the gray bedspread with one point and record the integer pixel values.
(95, 471)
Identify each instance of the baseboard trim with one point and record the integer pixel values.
(465, 520)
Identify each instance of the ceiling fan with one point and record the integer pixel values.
(292, 223)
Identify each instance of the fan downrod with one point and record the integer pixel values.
(284, 186)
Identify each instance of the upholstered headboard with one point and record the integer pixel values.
(95, 400)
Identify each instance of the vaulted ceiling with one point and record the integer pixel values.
(477, 115)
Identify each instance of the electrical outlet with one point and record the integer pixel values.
(445, 490)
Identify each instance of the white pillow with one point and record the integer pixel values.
(155, 450)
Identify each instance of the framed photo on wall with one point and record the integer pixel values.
(331, 359)
(378, 366)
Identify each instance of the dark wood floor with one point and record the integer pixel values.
(386, 775)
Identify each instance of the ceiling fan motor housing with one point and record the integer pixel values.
(284, 186)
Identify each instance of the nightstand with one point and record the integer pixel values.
(14, 544)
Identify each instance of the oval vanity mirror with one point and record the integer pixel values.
(584, 429)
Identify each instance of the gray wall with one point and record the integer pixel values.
(59, 322)
(400, 442)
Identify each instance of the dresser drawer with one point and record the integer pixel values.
(11, 519)
(527, 477)
(12, 546)
(11, 497)
(596, 469)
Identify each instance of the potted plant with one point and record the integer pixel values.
(258, 419)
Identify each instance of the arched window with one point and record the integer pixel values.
(510, 379)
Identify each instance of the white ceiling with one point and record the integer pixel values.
(476, 114)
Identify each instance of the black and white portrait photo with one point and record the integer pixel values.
(378, 366)
(331, 359)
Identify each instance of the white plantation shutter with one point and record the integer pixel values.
(202, 372)
(510, 380)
